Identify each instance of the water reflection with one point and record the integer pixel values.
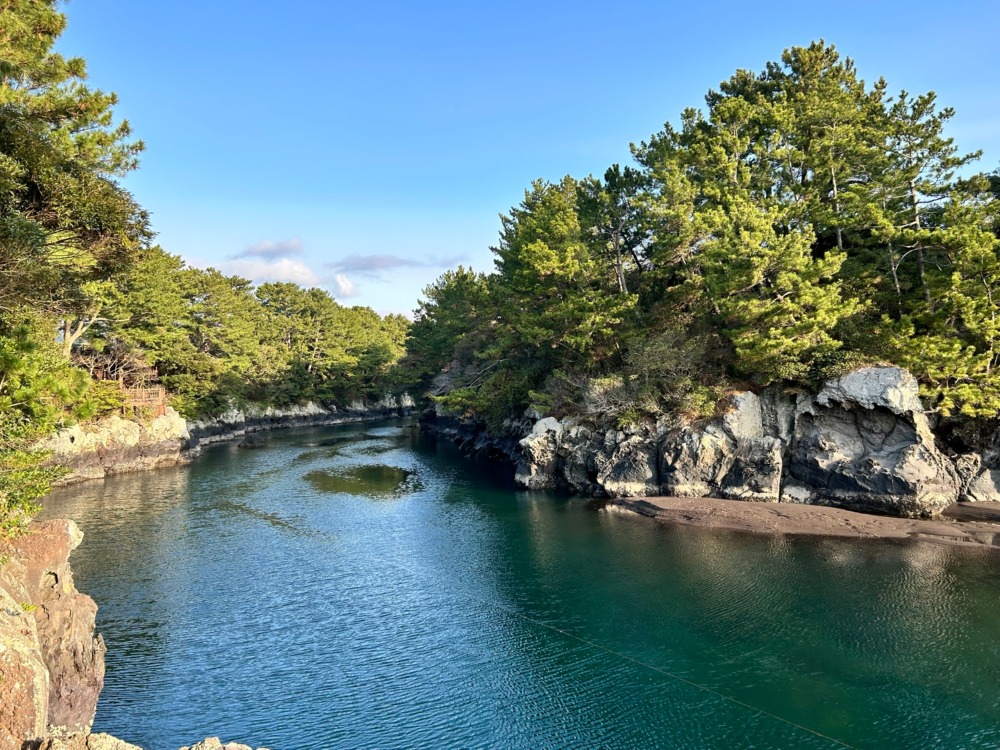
(240, 598)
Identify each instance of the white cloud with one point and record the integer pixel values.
(282, 269)
(343, 286)
(374, 266)
(272, 250)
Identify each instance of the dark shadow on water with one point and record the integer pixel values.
(373, 447)
(367, 481)
(272, 519)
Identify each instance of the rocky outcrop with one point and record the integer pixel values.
(238, 423)
(978, 462)
(116, 446)
(213, 743)
(51, 662)
(863, 442)
(472, 436)
(83, 742)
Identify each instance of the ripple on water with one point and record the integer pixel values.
(376, 481)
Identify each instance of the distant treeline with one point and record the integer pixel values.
(801, 224)
(87, 305)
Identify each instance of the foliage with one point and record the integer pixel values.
(804, 223)
(65, 221)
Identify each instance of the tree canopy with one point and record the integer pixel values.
(800, 224)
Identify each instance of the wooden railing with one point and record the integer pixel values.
(146, 398)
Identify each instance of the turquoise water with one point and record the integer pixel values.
(265, 597)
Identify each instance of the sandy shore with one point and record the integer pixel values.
(964, 524)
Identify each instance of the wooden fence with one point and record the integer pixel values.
(146, 398)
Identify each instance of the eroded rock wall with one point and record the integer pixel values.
(116, 446)
(862, 443)
(51, 661)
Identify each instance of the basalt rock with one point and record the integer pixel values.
(252, 441)
(863, 442)
(115, 446)
(51, 662)
(240, 423)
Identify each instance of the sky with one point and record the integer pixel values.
(368, 147)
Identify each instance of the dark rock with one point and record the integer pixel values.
(252, 440)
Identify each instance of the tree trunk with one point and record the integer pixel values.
(921, 264)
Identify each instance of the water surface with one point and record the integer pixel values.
(267, 597)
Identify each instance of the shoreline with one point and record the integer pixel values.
(119, 446)
(960, 525)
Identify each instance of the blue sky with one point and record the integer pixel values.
(367, 147)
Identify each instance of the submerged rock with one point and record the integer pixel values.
(251, 441)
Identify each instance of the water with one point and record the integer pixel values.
(266, 597)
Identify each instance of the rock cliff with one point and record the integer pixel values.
(117, 446)
(863, 442)
(51, 662)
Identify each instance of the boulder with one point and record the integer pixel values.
(863, 443)
(214, 743)
(84, 742)
(537, 469)
(629, 468)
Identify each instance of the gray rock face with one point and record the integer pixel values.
(628, 468)
(695, 459)
(980, 482)
(862, 443)
(755, 473)
(731, 457)
(980, 472)
(538, 467)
